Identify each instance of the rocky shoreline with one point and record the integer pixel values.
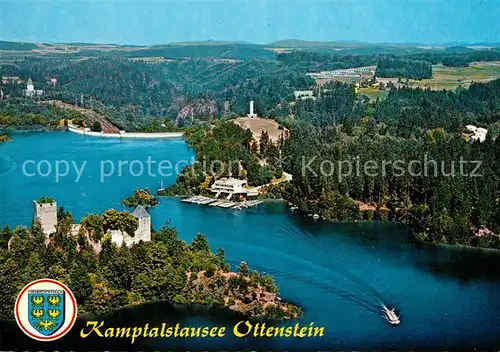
(5, 137)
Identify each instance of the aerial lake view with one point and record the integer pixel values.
(258, 175)
(338, 272)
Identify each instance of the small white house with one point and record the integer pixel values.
(478, 133)
(471, 128)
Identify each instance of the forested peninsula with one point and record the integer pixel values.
(104, 277)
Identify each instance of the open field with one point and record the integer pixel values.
(373, 93)
(453, 77)
(257, 125)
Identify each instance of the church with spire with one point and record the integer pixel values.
(31, 91)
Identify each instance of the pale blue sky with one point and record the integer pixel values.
(257, 21)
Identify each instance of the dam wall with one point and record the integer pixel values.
(123, 134)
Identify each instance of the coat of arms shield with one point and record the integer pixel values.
(46, 310)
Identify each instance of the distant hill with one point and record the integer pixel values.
(297, 43)
(458, 49)
(206, 42)
(218, 51)
(18, 46)
(208, 49)
(213, 49)
(365, 48)
(349, 47)
(383, 49)
(99, 45)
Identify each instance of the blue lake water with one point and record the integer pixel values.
(337, 272)
(94, 191)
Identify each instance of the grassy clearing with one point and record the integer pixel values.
(454, 77)
(257, 125)
(373, 93)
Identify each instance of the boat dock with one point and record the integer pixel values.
(221, 203)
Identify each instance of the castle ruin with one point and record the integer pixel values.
(46, 214)
(143, 232)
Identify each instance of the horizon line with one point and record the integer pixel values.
(327, 42)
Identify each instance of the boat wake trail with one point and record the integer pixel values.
(329, 288)
(7, 165)
(358, 282)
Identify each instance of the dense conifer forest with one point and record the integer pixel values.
(404, 68)
(411, 124)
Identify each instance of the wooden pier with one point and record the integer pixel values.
(221, 203)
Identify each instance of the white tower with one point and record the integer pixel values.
(29, 86)
(251, 114)
(46, 213)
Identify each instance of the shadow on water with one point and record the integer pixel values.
(392, 240)
(461, 263)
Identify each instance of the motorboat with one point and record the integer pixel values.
(391, 316)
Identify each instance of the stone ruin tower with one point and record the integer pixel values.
(46, 214)
(143, 232)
